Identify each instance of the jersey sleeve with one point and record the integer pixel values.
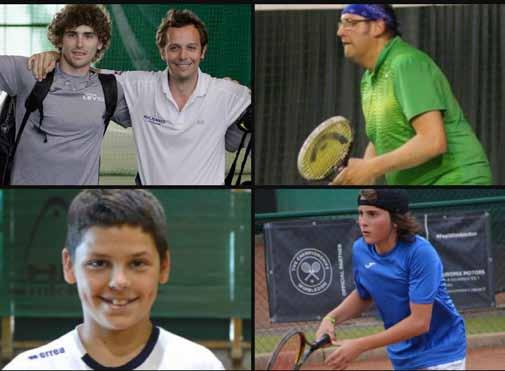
(14, 75)
(216, 364)
(239, 99)
(362, 291)
(425, 276)
(418, 87)
(20, 362)
(121, 114)
(205, 359)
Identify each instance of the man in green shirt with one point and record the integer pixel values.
(418, 133)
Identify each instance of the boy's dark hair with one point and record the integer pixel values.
(75, 15)
(180, 18)
(114, 208)
(392, 25)
(407, 225)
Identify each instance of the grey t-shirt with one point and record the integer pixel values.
(73, 125)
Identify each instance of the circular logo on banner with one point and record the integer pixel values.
(310, 271)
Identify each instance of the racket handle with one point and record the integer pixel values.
(324, 340)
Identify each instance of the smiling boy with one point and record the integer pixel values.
(117, 254)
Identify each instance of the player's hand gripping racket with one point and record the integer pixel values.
(290, 353)
(326, 151)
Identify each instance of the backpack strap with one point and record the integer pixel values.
(7, 137)
(109, 86)
(245, 123)
(33, 102)
(244, 160)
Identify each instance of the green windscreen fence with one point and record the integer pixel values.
(335, 199)
(23, 31)
(134, 38)
(209, 237)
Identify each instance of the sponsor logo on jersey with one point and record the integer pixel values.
(92, 97)
(48, 353)
(369, 265)
(154, 120)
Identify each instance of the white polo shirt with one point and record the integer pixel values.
(187, 147)
(163, 351)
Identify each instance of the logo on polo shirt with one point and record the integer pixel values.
(49, 353)
(92, 97)
(154, 120)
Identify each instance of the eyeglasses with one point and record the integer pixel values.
(348, 24)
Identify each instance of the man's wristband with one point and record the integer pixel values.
(330, 319)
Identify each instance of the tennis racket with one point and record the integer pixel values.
(326, 150)
(293, 350)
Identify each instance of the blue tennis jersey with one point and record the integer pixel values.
(411, 273)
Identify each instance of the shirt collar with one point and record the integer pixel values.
(59, 72)
(384, 53)
(202, 85)
(132, 364)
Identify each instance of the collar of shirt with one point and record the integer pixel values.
(384, 54)
(201, 88)
(64, 80)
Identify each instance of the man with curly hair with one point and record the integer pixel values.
(63, 147)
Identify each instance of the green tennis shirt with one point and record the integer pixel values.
(405, 84)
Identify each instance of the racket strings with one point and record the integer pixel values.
(325, 149)
(287, 354)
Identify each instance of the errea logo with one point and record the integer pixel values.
(49, 353)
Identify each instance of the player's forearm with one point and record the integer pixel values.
(351, 307)
(415, 152)
(403, 330)
(370, 152)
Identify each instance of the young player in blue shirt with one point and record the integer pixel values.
(402, 274)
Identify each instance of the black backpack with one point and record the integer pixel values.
(245, 123)
(9, 140)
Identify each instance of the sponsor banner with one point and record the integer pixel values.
(309, 263)
(309, 267)
(463, 243)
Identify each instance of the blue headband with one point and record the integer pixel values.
(369, 11)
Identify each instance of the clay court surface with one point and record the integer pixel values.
(479, 359)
